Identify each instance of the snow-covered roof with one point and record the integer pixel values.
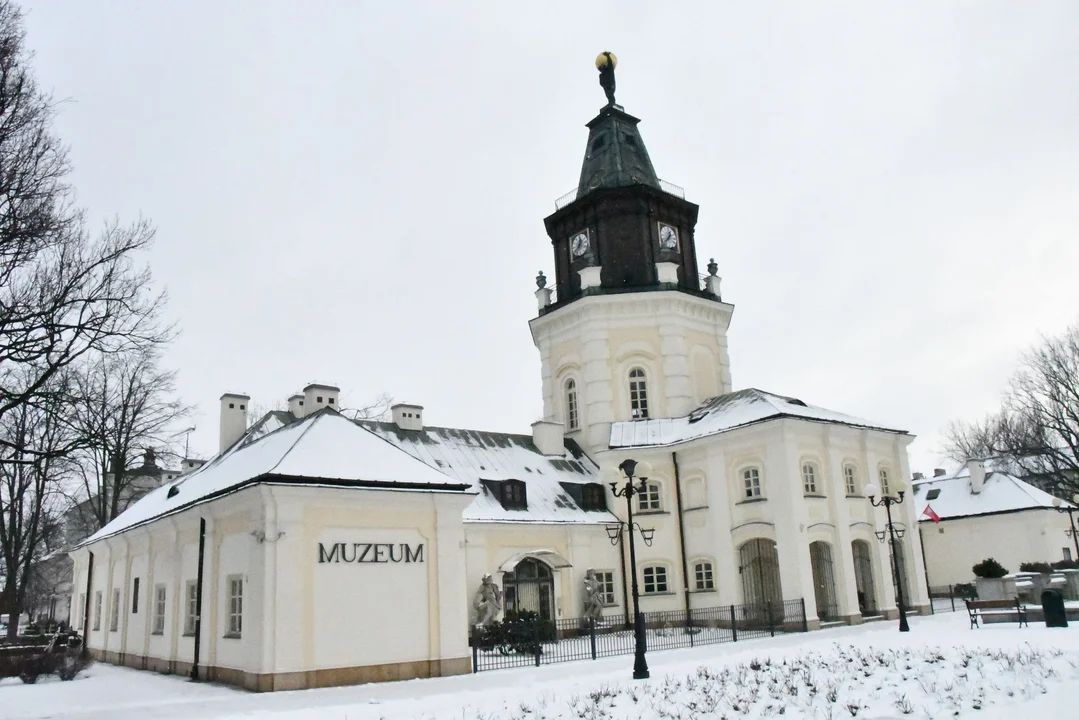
(322, 448)
(1001, 493)
(727, 412)
(472, 456)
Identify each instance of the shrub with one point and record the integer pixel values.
(518, 633)
(965, 590)
(71, 664)
(1065, 565)
(989, 568)
(1036, 567)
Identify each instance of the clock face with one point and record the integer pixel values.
(668, 237)
(579, 244)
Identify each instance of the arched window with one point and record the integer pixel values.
(883, 475)
(572, 418)
(703, 576)
(850, 479)
(638, 394)
(655, 579)
(751, 479)
(650, 499)
(809, 478)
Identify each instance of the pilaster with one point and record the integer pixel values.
(846, 583)
(784, 490)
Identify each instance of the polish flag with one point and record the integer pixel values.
(932, 515)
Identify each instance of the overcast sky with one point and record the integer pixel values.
(353, 192)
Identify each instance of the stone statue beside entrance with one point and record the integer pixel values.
(593, 596)
(488, 602)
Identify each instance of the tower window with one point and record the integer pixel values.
(630, 140)
(599, 142)
(638, 394)
(572, 420)
(883, 475)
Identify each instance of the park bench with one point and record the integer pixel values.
(979, 608)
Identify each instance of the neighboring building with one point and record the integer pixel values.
(755, 497)
(985, 513)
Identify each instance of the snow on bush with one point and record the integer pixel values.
(843, 683)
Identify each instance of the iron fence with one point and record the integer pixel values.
(949, 598)
(529, 640)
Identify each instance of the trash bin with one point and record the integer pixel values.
(1053, 609)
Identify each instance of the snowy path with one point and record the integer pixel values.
(124, 694)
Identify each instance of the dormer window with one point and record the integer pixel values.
(513, 495)
(593, 497)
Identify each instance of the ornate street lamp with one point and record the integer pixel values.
(640, 470)
(894, 534)
(1071, 520)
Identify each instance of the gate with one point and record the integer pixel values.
(820, 556)
(863, 577)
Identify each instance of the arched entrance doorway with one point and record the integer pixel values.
(820, 558)
(759, 566)
(529, 588)
(863, 577)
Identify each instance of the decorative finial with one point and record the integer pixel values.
(541, 280)
(712, 267)
(605, 63)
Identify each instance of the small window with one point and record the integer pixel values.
(81, 610)
(593, 497)
(331, 401)
(629, 140)
(235, 606)
(751, 479)
(850, 479)
(243, 407)
(649, 500)
(933, 494)
(318, 399)
(159, 610)
(1067, 554)
(97, 610)
(114, 611)
(606, 584)
(638, 394)
(884, 488)
(514, 496)
(135, 597)
(572, 420)
(809, 479)
(301, 403)
(599, 142)
(655, 579)
(191, 605)
(232, 406)
(703, 576)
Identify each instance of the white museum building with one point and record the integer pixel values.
(319, 550)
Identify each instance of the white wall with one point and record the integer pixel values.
(953, 547)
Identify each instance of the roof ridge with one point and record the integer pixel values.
(316, 417)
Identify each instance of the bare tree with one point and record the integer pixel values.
(63, 293)
(1036, 431)
(31, 477)
(124, 405)
(375, 409)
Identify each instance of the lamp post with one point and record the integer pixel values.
(641, 470)
(891, 533)
(1071, 519)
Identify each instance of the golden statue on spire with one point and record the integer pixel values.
(605, 63)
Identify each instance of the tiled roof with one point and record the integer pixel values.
(322, 448)
(727, 412)
(472, 456)
(1000, 493)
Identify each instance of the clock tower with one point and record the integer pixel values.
(630, 330)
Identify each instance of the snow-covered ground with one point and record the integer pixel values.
(941, 669)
